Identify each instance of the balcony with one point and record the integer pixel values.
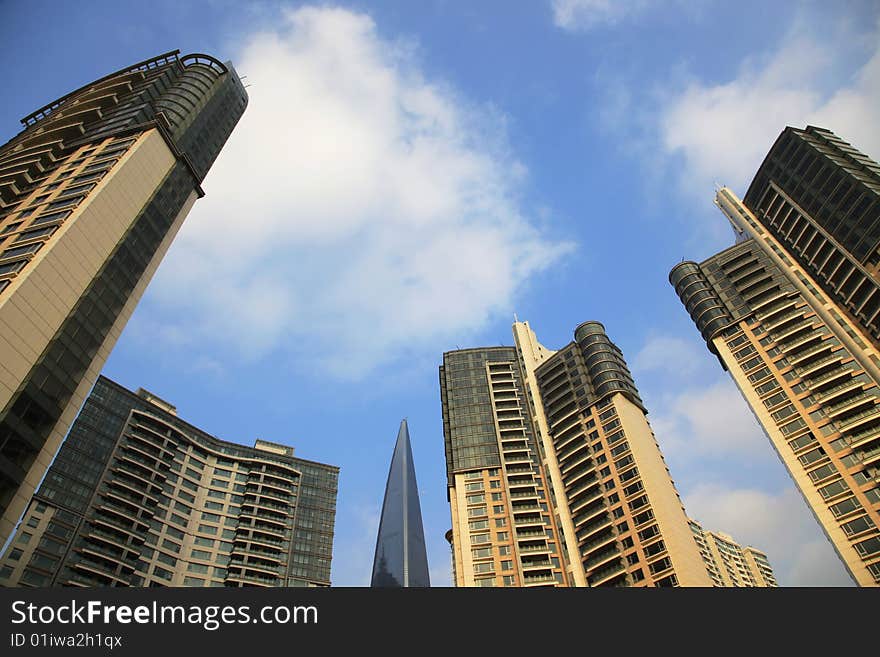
(582, 457)
(260, 540)
(537, 565)
(783, 319)
(520, 508)
(826, 395)
(520, 495)
(791, 330)
(97, 568)
(114, 555)
(538, 579)
(250, 565)
(129, 530)
(597, 543)
(252, 579)
(529, 533)
(802, 340)
(587, 531)
(802, 356)
(812, 384)
(602, 558)
(870, 457)
(849, 403)
(606, 575)
(122, 542)
(857, 419)
(240, 552)
(862, 438)
(269, 495)
(770, 312)
(532, 549)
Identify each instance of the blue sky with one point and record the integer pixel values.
(409, 175)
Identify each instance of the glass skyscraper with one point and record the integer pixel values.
(401, 559)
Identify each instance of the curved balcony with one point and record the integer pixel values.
(251, 580)
(94, 568)
(607, 575)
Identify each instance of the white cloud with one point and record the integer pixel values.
(778, 524)
(709, 422)
(358, 209)
(585, 14)
(670, 356)
(722, 131)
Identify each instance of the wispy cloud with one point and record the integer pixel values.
(586, 14)
(359, 209)
(669, 355)
(722, 131)
(690, 131)
(778, 524)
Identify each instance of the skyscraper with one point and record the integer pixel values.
(791, 311)
(554, 475)
(729, 563)
(401, 559)
(139, 497)
(92, 192)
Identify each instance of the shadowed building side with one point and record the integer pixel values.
(401, 558)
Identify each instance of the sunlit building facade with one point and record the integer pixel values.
(554, 475)
(92, 192)
(730, 564)
(791, 311)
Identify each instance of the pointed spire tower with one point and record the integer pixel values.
(401, 559)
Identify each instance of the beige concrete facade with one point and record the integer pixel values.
(532, 354)
(687, 562)
(612, 516)
(810, 375)
(39, 299)
(729, 564)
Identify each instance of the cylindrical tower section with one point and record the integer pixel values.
(190, 92)
(700, 299)
(604, 362)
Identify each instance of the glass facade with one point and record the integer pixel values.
(401, 559)
(139, 497)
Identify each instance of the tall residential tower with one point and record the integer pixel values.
(554, 475)
(92, 192)
(792, 311)
(139, 497)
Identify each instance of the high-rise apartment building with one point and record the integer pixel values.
(554, 475)
(139, 497)
(92, 192)
(791, 311)
(730, 564)
(401, 559)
